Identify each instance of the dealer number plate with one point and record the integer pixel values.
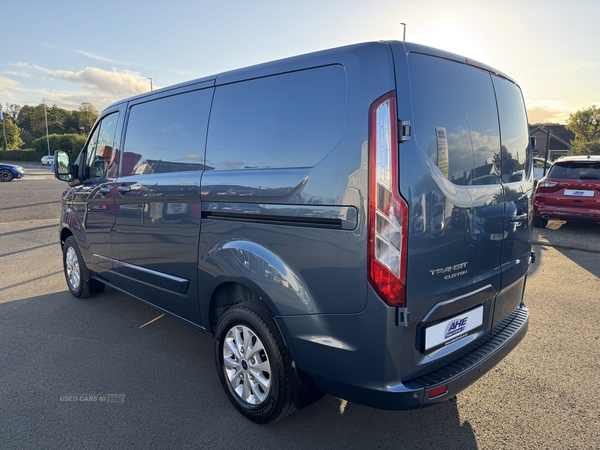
(579, 193)
(456, 327)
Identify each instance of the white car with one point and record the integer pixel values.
(47, 160)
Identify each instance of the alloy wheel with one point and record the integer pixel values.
(72, 268)
(246, 365)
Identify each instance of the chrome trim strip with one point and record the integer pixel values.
(488, 287)
(141, 269)
(319, 216)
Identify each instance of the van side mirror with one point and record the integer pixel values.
(532, 142)
(63, 169)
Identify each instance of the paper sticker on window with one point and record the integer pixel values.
(442, 150)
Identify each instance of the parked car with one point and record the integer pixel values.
(8, 172)
(538, 168)
(47, 160)
(314, 216)
(570, 191)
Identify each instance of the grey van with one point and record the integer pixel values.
(355, 222)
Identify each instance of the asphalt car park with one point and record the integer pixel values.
(111, 372)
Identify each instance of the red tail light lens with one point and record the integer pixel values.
(388, 212)
(438, 391)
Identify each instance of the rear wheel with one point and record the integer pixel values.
(254, 364)
(6, 175)
(538, 222)
(76, 272)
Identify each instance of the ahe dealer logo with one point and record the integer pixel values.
(455, 327)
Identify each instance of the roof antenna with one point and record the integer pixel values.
(404, 32)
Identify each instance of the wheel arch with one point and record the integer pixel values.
(229, 293)
(64, 235)
(239, 270)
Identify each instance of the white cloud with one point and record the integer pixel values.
(117, 84)
(99, 57)
(544, 111)
(100, 87)
(9, 90)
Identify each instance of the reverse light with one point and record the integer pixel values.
(388, 212)
(547, 184)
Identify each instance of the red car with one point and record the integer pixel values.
(570, 191)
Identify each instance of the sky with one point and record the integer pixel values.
(68, 52)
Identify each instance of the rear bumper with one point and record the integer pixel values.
(473, 362)
(567, 213)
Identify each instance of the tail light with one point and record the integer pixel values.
(388, 212)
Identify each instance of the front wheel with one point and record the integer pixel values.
(76, 272)
(254, 364)
(6, 175)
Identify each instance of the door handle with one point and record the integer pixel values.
(124, 189)
(104, 190)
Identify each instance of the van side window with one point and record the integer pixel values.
(263, 123)
(455, 121)
(514, 133)
(101, 159)
(167, 134)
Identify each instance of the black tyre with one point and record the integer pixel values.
(77, 274)
(6, 175)
(538, 222)
(254, 364)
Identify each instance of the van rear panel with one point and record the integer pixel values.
(455, 173)
(464, 171)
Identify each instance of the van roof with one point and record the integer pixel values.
(291, 63)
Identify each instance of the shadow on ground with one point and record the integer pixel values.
(56, 347)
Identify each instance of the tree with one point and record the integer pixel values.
(71, 124)
(10, 137)
(56, 120)
(37, 121)
(585, 123)
(24, 118)
(87, 116)
(12, 109)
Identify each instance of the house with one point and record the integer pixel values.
(560, 140)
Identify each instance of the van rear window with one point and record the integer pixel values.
(455, 119)
(514, 132)
(281, 121)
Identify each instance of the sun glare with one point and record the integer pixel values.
(449, 35)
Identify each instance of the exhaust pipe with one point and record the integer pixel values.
(545, 216)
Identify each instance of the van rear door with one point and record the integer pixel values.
(451, 177)
(517, 182)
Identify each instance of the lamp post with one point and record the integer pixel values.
(4, 130)
(150, 83)
(403, 32)
(46, 117)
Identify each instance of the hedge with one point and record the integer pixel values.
(21, 155)
(72, 143)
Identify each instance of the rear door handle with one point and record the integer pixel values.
(124, 189)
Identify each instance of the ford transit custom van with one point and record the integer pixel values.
(355, 222)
